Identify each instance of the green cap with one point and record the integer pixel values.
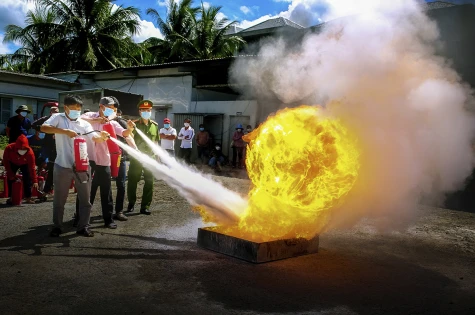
(145, 104)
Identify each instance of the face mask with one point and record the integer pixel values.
(239, 130)
(249, 130)
(187, 125)
(108, 111)
(146, 115)
(22, 152)
(74, 114)
(41, 135)
(166, 126)
(217, 148)
(23, 114)
(202, 129)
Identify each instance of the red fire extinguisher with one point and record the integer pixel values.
(35, 191)
(17, 191)
(114, 149)
(3, 185)
(80, 155)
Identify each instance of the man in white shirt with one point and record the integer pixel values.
(186, 136)
(167, 137)
(66, 127)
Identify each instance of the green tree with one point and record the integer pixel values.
(191, 33)
(78, 35)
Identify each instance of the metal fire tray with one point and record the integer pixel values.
(256, 252)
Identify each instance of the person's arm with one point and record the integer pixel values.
(97, 137)
(50, 129)
(37, 123)
(198, 137)
(180, 135)
(9, 125)
(236, 136)
(90, 119)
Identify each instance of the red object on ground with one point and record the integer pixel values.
(34, 191)
(80, 155)
(114, 149)
(3, 185)
(17, 191)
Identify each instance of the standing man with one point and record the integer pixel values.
(49, 146)
(120, 179)
(35, 142)
(150, 129)
(19, 156)
(102, 170)
(19, 124)
(202, 143)
(238, 147)
(167, 137)
(186, 136)
(67, 126)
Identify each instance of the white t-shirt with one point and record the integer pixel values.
(186, 143)
(165, 143)
(65, 144)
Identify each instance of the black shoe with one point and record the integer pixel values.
(145, 211)
(9, 202)
(85, 232)
(130, 208)
(120, 216)
(111, 225)
(56, 232)
(75, 222)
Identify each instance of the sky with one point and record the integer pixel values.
(246, 12)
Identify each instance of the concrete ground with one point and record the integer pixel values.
(151, 265)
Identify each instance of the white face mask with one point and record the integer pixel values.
(217, 148)
(22, 152)
(187, 125)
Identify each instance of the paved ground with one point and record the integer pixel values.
(151, 265)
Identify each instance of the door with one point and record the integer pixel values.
(233, 122)
(159, 114)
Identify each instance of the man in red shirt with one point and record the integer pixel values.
(19, 156)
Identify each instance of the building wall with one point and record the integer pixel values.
(19, 94)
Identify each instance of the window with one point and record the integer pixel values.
(5, 109)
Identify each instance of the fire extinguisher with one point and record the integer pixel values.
(3, 185)
(17, 191)
(81, 162)
(35, 192)
(114, 149)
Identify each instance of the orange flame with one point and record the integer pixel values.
(301, 164)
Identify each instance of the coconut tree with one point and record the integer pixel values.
(82, 35)
(178, 24)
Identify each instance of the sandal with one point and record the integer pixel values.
(30, 201)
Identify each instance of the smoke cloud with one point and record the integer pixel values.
(378, 72)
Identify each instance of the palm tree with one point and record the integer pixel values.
(80, 35)
(178, 23)
(186, 37)
(209, 39)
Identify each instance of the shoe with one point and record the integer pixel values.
(56, 232)
(9, 202)
(130, 208)
(85, 232)
(145, 211)
(111, 225)
(120, 216)
(29, 201)
(75, 222)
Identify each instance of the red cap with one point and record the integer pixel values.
(166, 120)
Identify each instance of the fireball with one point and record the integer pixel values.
(301, 163)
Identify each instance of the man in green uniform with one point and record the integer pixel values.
(149, 128)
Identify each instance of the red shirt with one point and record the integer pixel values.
(11, 156)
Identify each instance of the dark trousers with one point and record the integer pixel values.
(102, 180)
(171, 152)
(185, 154)
(120, 183)
(25, 172)
(135, 172)
(237, 154)
(92, 167)
(49, 179)
(202, 153)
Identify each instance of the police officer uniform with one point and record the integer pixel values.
(151, 130)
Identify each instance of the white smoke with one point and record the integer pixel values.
(406, 105)
(224, 205)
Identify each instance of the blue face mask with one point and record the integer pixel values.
(41, 135)
(108, 111)
(146, 115)
(202, 129)
(166, 126)
(23, 114)
(74, 114)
